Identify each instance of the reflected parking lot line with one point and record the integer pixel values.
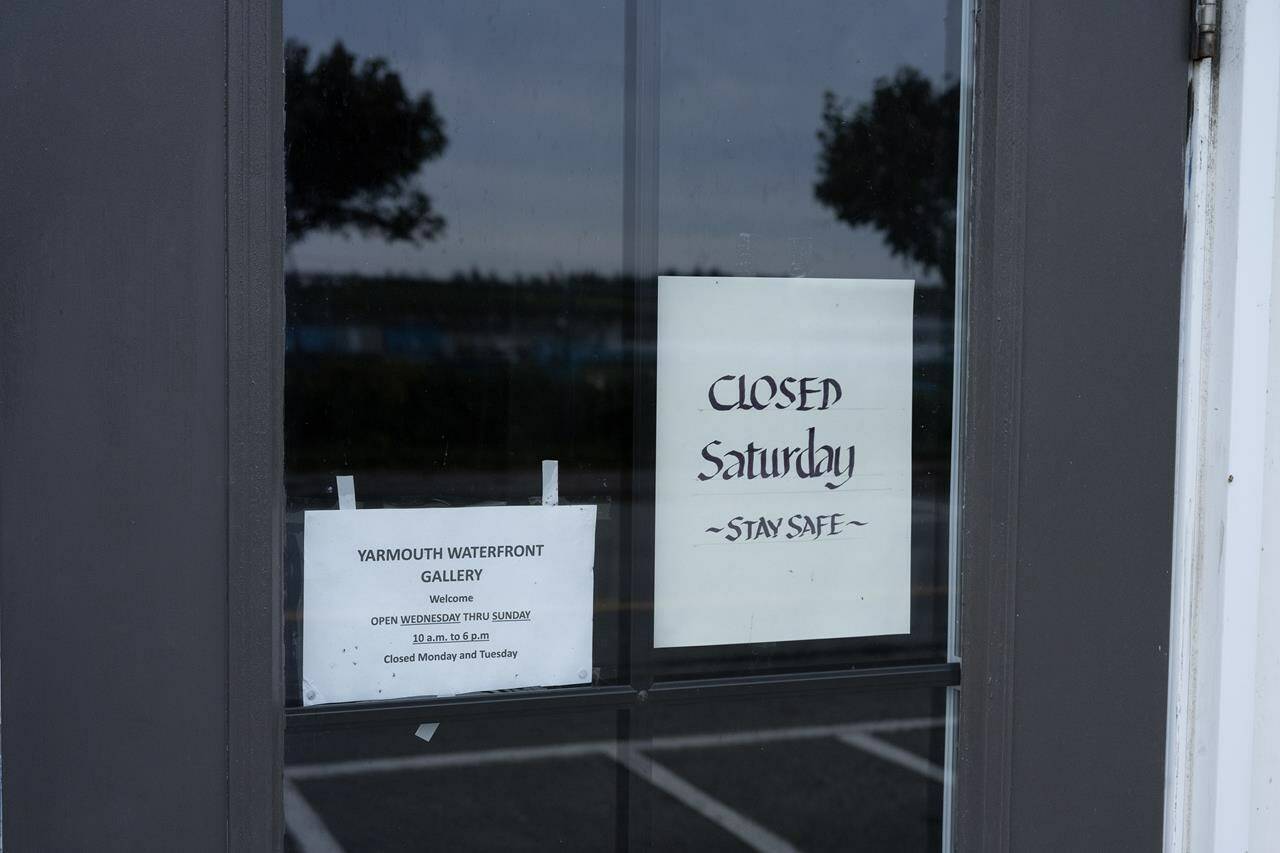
(737, 824)
(306, 826)
(309, 832)
(896, 754)
(325, 770)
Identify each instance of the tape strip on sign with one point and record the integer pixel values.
(346, 492)
(550, 482)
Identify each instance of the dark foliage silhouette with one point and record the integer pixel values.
(354, 139)
(891, 163)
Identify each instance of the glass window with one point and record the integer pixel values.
(636, 239)
(820, 771)
(439, 363)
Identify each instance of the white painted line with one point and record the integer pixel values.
(894, 754)
(398, 763)
(579, 749)
(739, 825)
(305, 825)
(750, 737)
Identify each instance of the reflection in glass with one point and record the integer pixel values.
(821, 141)
(820, 771)
(814, 772)
(458, 310)
(513, 784)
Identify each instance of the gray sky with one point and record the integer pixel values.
(532, 98)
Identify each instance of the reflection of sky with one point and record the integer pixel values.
(531, 94)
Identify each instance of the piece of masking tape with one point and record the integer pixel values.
(550, 482)
(346, 492)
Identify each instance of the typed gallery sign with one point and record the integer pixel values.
(783, 459)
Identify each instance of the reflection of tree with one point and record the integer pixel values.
(353, 140)
(891, 163)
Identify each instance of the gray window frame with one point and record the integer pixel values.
(163, 466)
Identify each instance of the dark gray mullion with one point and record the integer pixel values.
(988, 492)
(640, 240)
(1072, 325)
(255, 375)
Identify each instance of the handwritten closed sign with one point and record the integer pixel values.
(783, 464)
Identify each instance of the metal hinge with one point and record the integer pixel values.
(1204, 36)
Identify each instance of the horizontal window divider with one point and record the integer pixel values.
(551, 699)
(577, 699)
(790, 683)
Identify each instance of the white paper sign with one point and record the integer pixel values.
(434, 602)
(783, 467)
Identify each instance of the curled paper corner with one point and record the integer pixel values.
(426, 731)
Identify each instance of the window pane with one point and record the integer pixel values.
(635, 242)
(821, 771)
(460, 311)
(819, 141)
(513, 784)
(440, 364)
